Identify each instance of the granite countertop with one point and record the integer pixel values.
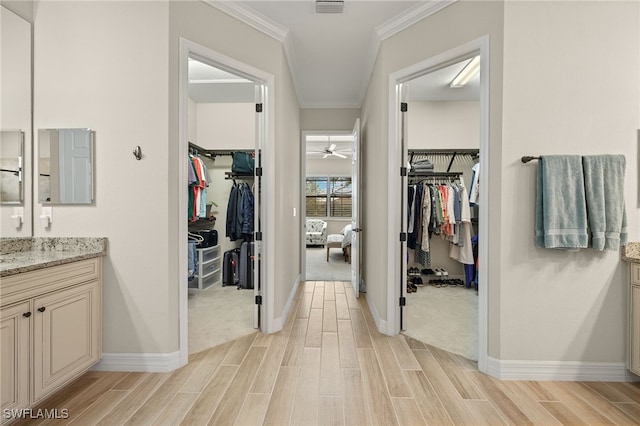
(19, 255)
(631, 252)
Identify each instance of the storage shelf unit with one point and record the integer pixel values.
(209, 268)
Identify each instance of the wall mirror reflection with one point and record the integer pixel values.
(11, 157)
(65, 166)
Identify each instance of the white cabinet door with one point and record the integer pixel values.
(634, 331)
(14, 344)
(66, 336)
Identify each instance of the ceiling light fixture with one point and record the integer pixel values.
(329, 6)
(467, 73)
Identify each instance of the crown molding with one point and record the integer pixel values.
(411, 16)
(257, 21)
(252, 18)
(382, 32)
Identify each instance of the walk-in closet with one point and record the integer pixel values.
(220, 164)
(443, 195)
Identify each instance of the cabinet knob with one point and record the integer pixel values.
(42, 309)
(26, 314)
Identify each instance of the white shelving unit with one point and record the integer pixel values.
(209, 268)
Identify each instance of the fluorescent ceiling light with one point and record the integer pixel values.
(467, 73)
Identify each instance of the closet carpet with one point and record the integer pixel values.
(217, 315)
(444, 317)
(318, 269)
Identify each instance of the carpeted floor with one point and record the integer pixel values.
(318, 269)
(444, 317)
(217, 315)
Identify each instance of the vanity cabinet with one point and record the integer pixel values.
(634, 319)
(51, 329)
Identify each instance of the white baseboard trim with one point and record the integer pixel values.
(381, 324)
(144, 362)
(560, 371)
(278, 323)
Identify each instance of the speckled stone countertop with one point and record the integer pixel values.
(28, 254)
(631, 252)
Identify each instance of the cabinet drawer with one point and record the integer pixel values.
(635, 273)
(30, 284)
(208, 254)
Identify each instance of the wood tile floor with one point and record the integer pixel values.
(329, 366)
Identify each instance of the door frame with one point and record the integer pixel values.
(394, 291)
(303, 190)
(267, 273)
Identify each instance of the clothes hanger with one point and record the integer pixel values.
(195, 237)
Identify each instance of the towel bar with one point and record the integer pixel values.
(528, 158)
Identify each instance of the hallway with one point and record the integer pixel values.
(329, 366)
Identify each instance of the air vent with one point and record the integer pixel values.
(329, 6)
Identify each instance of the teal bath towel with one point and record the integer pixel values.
(561, 209)
(604, 189)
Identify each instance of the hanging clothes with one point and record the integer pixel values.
(198, 179)
(239, 224)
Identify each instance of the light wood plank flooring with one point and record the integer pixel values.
(329, 366)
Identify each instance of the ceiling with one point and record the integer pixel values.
(331, 56)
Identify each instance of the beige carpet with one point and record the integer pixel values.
(318, 269)
(445, 317)
(217, 315)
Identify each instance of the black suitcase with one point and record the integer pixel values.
(245, 268)
(230, 264)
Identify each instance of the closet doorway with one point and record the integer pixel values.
(330, 215)
(224, 138)
(442, 147)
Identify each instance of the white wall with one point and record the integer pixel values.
(207, 26)
(103, 65)
(226, 125)
(471, 20)
(557, 305)
(118, 83)
(543, 305)
(444, 125)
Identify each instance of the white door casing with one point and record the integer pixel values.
(355, 210)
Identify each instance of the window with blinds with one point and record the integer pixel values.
(328, 196)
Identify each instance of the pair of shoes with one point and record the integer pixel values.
(440, 272)
(413, 272)
(428, 271)
(416, 281)
(411, 288)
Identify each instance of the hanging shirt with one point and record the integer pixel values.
(474, 191)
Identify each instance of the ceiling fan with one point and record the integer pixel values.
(331, 150)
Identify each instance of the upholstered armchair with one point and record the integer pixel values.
(316, 232)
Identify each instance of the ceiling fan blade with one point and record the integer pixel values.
(325, 156)
(332, 147)
(339, 155)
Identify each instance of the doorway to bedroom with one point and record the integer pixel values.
(328, 205)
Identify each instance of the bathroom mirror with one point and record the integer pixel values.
(65, 166)
(15, 117)
(11, 149)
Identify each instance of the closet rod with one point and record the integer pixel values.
(444, 151)
(435, 174)
(528, 158)
(213, 153)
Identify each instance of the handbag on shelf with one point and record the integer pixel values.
(243, 163)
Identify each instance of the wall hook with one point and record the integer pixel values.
(137, 152)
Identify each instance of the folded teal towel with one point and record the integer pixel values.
(561, 210)
(604, 189)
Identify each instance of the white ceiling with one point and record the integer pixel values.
(331, 56)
